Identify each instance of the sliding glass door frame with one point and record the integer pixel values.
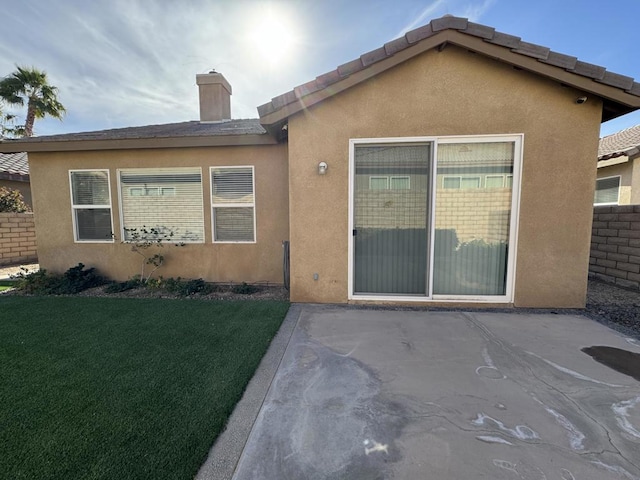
(517, 140)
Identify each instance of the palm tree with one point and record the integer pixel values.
(31, 85)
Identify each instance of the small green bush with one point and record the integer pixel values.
(245, 289)
(74, 280)
(184, 288)
(36, 283)
(12, 201)
(117, 287)
(77, 279)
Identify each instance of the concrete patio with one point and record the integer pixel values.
(373, 394)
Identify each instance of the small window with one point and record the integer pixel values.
(451, 182)
(494, 181)
(508, 181)
(470, 182)
(233, 204)
(399, 183)
(378, 183)
(91, 205)
(607, 191)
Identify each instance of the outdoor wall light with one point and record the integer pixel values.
(322, 168)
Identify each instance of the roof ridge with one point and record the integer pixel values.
(486, 33)
(619, 132)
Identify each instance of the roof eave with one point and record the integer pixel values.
(33, 145)
(14, 177)
(617, 102)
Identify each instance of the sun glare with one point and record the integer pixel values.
(273, 37)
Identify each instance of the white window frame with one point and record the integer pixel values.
(603, 204)
(236, 205)
(120, 198)
(448, 177)
(508, 297)
(400, 177)
(379, 177)
(493, 175)
(89, 207)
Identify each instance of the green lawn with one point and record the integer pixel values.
(122, 388)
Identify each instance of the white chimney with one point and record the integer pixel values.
(215, 97)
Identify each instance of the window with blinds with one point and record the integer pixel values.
(91, 205)
(233, 204)
(607, 191)
(166, 200)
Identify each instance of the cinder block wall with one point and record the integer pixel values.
(17, 239)
(615, 245)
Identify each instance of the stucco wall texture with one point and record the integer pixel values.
(442, 93)
(216, 262)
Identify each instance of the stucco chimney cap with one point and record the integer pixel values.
(213, 78)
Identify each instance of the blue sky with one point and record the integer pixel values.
(123, 63)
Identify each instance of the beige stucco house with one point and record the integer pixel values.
(618, 181)
(431, 170)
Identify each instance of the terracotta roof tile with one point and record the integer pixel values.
(420, 33)
(373, 56)
(447, 22)
(589, 70)
(488, 34)
(635, 89)
(617, 80)
(481, 31)
(624, 142)
(328, 78)
(14, 163)
(350, 68)
(505, 40)
(394, 46)
(307, 88)
(532, 50)
(560, 60)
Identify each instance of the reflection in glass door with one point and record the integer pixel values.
(391, 212)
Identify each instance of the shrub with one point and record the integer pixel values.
(36, 283)
(245, 289)
(12, 201)
(117, 287)
(74, 280)
(185, 288)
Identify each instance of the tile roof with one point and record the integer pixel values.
(168, 130)
(462, 25)
(14, 166)
(625, 142)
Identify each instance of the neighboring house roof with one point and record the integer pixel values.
(193, 133)
(621, 94)
(14, 166)
(623, 143)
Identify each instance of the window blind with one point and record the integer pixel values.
(168, 200)
(607, 191)
(233, 204)
(91, 205)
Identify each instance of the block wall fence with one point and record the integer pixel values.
(615, 245)
(17, 239)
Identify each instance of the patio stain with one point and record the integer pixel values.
(623, 361)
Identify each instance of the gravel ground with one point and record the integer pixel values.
(616, 307)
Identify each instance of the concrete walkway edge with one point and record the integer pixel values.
(225, 453)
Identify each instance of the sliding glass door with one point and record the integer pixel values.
(390, 227)
(433, 218)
